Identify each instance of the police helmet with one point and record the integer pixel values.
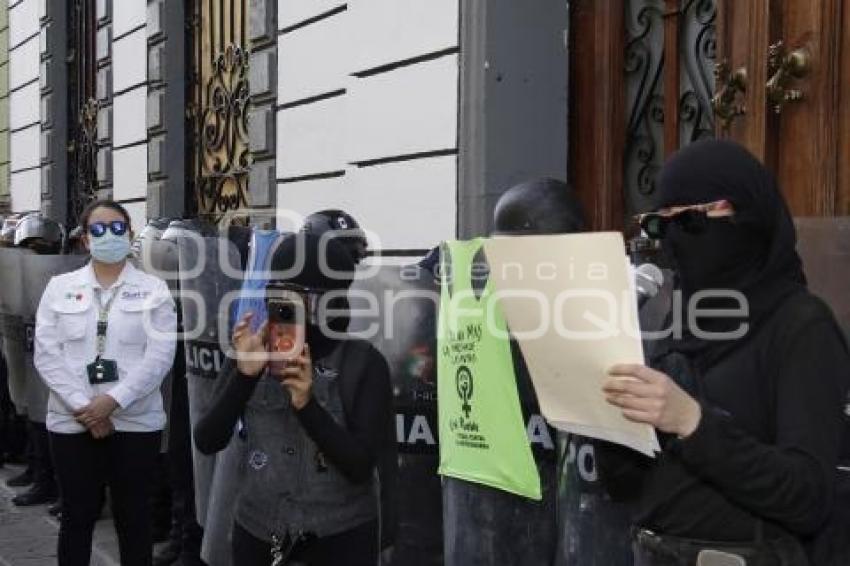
(342, 227)
(540, 206)
(39, 233)
(152, 232)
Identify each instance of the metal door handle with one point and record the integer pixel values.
(783, 68)
(729, 86)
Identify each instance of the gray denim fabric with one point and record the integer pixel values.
(289, 486)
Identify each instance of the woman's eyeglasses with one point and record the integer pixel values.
(691, 219)
(117, 227)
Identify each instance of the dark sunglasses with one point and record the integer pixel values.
(117, 227)
(691, 221)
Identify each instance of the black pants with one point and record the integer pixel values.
(41, 460)
(85, 466)
(355, 547)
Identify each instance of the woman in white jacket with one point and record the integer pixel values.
(104, 340)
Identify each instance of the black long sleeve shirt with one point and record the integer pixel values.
(353, 449)
(768, 442)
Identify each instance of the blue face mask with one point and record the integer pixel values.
(109, 248)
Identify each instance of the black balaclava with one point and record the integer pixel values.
(752, 252)
(304, 251)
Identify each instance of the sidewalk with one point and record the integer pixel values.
(28, 535)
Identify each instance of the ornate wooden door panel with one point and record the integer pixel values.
(221, 158)
(794, 54)
(642, 81)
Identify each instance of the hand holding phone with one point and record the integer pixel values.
(297, 376)
(287, 329)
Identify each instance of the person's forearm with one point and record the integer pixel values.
(785, 485)
(215, 428)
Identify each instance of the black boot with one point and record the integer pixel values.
(38, 494)
(23, 479)
(44, 483)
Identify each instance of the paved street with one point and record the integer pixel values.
(28, 536)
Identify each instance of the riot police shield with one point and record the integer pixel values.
(160, 258)
(203, 284)
(215, 549)
(38, 270)
(484, 525)
(210, 268)
(592, 528)
(405, 333)
(12, 309)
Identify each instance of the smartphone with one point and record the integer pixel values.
(287, 328)
(718, 558)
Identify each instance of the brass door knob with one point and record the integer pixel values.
(730, 85)
(784, 68)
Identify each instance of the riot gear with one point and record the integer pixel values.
(40, 234)
(151, 233)
(541, 206)
(46, 238)
(342, 226)
(7, 232)
(406, 336)
(160, 257)
(211, 268)
(481, 522)
(75, 242)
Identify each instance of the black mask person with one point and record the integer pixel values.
(750, 249)
(317, 266)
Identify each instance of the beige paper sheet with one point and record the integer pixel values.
(569, 301)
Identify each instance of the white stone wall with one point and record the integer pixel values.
(129, 107)
(368, 114)
(24, 104)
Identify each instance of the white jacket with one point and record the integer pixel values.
(140, 337)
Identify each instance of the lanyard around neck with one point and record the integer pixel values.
(103, 319)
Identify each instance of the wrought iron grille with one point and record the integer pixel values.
(698, 53)
(645, 57)
(219, 112)
(644, 65)
(82, 108)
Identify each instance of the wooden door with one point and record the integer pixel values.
(642, 85)
(796, 103)
(641, 75)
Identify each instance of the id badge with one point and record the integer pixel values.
(102, 371)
